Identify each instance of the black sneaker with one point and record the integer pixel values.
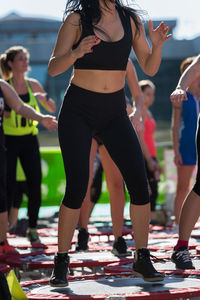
(59, 275)
(120, 248)
(32, 235)
(181, 258)
(83, 237)
(142, 266)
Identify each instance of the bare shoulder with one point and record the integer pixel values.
(73, 19)
(33, 81)
(35, 85)
(71, 27)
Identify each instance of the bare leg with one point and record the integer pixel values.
(91, 207)
(85, 208)
(114, 182)
(189, 215)
(68, 219)
(140, 217)
(13, 216)
(184, 176)
(3, 225)
(5, 248)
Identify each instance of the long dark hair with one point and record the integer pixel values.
(91, 11)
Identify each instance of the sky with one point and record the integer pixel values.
(186, 12)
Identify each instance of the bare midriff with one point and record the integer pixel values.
(100, 81)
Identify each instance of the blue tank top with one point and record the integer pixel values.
(106, 55)
(190, 112)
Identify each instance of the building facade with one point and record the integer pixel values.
(39, 36)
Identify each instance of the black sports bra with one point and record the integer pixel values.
(106, 55)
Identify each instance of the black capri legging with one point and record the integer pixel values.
(85, 114)
(153, 184)
(96, 187)
(25, 147)
(196, 187)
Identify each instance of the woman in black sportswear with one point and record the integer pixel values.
(97, 37)
(114, 179)
(8, 96)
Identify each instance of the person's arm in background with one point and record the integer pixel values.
(42, 96)
(175, 127)
(135, 116)
(137, 95)
(25, 110)
(152, 164)
(190, 75)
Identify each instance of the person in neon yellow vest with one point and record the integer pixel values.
(21, 189)
(21, 133)
(9, 96)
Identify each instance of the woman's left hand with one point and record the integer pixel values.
(178, 95)
(135, 118)
(159, 35)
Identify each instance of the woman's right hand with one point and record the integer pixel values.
(178, 159)
(49, 122)
(86, 45)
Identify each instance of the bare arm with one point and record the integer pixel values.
(63, 57)
(152, 165)
(41, 96)
(25, 110)
(134, 87)
(149, 59)
(176, 121)
(190, 75)
(136, 93)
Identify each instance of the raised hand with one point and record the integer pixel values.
(159, 35)
(86, 45)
